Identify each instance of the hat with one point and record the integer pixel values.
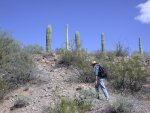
(93, 62)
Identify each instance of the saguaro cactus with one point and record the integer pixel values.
(103, 44)
(48, 38)
(140, 46)
(67, 43)
(77, 41)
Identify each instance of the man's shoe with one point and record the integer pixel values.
(107, 99)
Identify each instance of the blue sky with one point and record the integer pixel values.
(120, 20)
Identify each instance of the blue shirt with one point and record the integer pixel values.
(96, 69)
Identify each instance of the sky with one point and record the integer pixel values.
(121, 21)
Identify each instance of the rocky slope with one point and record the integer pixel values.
(54, 81)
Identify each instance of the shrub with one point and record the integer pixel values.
(80, 62)
(2, 89)
(146, 54)
(87, 94)
(120, 106)
(34, 49)
(15, 61)
(111, 55)
(21, 101)
(8, 48)
(69, 106)
(135, 54)
(59, 51)
(20, 69)
(121, 51)
(128, 74)
(98, 54)
(68, 58)
(138, 55)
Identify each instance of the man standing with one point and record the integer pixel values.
(99, 80)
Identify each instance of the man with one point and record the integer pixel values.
(99, 81)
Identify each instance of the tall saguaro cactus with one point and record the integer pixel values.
(67, 43)
(48, 38)
(140, 46)
(103, 44)
(77, 41)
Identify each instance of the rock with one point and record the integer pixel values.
(26, 89)
(55, 59)
(47, 62)
(12, 108)
(53, 65)
(49, 87)
(79, 88)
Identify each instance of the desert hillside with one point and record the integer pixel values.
(54, 81)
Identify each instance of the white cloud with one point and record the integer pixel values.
(144, 15)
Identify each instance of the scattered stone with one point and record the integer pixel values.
(26, 89)
(19, 104)
(79, 88)
(53, 65)
(6, 98)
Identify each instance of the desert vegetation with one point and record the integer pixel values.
(17, 66)
(127, 74)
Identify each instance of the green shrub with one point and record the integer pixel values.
(8, 49)
(128, 74)
(2, 89)
(59, 51)
(68, 58)
(69, 106)
(80, 62)
(15, 61)
(121, 51)
(146, 54)
(98, 54)
(121, 105)
(34, 49)
(111, 55)
(138, 55)
(135, 54)
(21, 101)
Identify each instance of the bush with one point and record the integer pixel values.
(121, 51)
(136, 54)
(69, 106)
(59, 51)
(80, 61)
(121, 105)
(21, 101)
(111, 55)
(146, 54)
(34, 49)
(68, 58)
(98, 55)
(2, 89)
(16, 63)
(128, 74)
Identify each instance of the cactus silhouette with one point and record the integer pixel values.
(77, 41)
(140, 46)
(67, 43)
(103, 44)
(48, 38)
